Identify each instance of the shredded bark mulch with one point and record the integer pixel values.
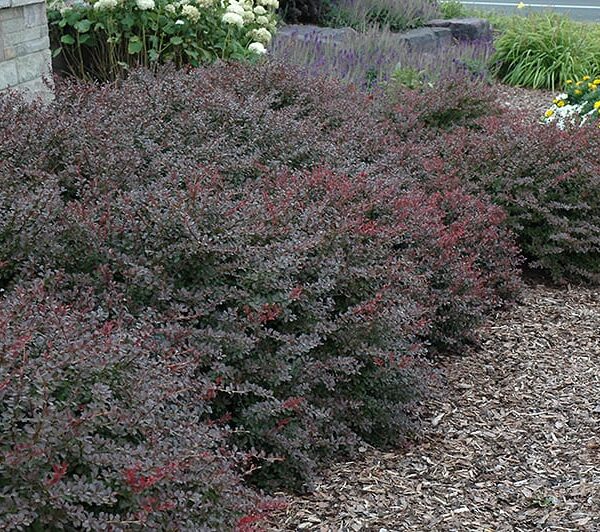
(511, 442)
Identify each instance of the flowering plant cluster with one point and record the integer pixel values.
(102, 39)
(580, 104)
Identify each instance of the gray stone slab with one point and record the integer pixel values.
(308, 32)
(33, 66)
(8, 74)
(11, 13)
(4, 3)
(12, 25)
(17, 3)
(444, 36)
(29, 47)
(35, 15)
(471, 29)
(37, 88)
(420, 40)
(26, 35)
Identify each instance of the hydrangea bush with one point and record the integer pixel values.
(579, 105)
(104, 38)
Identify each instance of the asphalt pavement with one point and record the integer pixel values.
(586, 10)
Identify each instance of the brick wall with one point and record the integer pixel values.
(24, 46)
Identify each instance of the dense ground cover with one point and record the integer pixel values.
(219, 280)
(190, 297)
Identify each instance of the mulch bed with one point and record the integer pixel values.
(511, 442)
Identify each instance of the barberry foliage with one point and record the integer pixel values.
(218, 275)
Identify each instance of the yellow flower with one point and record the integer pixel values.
(520, 5)
(597, 105)
(548, 113)
(561, 103)
(597, 81)
(585, 78)
(578, 92)
(591, 86)
(569, 81)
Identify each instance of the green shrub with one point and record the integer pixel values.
(543, 51)
(103, 39)
(452, 9)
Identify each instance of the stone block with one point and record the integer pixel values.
(4, 4)
(10, 52)
(465, 29)
(30, 47)
(26, 35)
(35, 15)
(17, 3)
(420, 40)
(8, 74)
(11, 13)
(33, 66)
(37, 88)
(307, 32)
(13, 25)
(443, 36)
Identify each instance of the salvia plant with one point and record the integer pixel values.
(102, 39)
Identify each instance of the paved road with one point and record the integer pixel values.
(588, 10)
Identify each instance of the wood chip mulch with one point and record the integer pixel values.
(511, 444)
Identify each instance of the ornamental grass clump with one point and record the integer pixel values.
(579, 105)
(545, 50)
(103, 39)
(384, 14)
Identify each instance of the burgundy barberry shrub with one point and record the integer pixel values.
(102, 421)
(547, 180)
(449, 102)
(299, 298)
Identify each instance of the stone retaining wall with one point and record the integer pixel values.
(435, 35)
(24, 47)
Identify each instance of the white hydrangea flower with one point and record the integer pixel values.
(170, 8)
(191, 12)
(248, 16)
(205, 3)
(145, 5)
(257, 48)
(263, 21)
(236, 8)
(233, 18)
(262, 35)
(105, 4)
(260, 10)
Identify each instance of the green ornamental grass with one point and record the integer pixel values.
(544, 50)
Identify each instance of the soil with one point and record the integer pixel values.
(511, 439)
(511, 442)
